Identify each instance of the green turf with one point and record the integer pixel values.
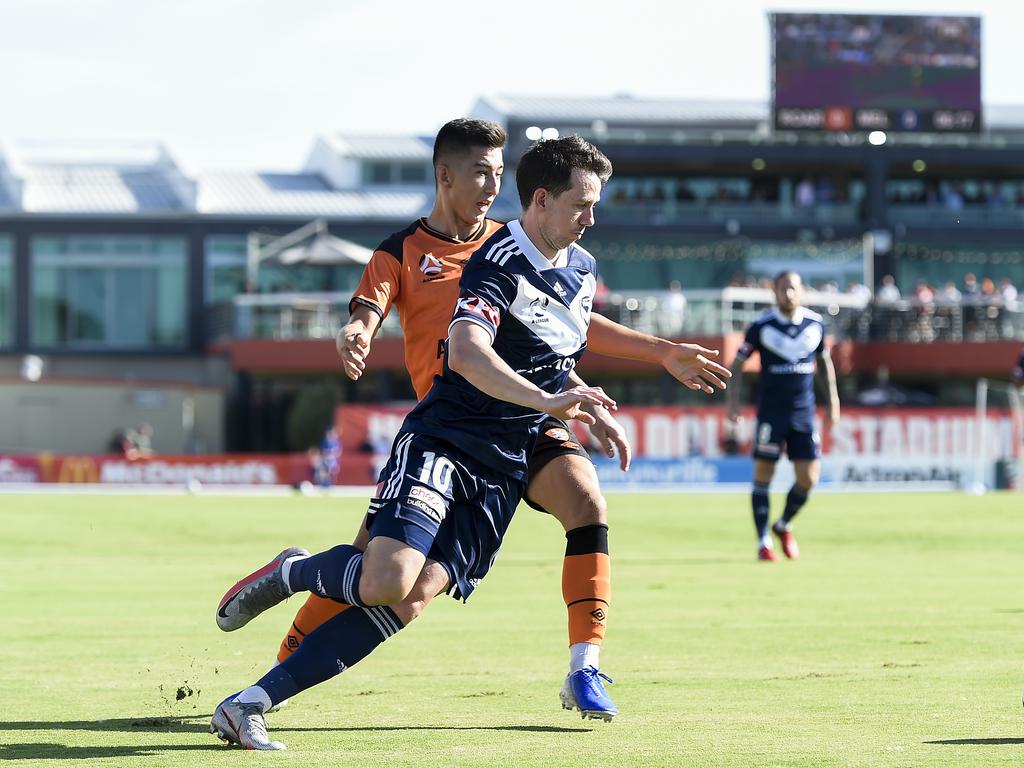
(895, 641)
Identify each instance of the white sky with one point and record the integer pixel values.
(249, 83)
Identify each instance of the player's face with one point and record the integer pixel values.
(789, 292)
(470, 181)
(564, 219)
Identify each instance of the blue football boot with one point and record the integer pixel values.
(583, 690)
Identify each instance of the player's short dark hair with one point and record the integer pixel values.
(462, 134)
(785, 273)
(549, 165)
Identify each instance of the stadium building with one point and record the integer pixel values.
(131, 292)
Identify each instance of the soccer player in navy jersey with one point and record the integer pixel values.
(458, 467)
(791, 341)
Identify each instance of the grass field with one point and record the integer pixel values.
(895, 641)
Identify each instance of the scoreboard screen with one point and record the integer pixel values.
(845, 72)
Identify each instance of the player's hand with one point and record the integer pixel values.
(831, 417)
(353, 345)
(610, 435)
(568, 404)
(692, 366)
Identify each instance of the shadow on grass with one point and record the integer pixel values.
(64, 752)
(198, 724)
(980, 742)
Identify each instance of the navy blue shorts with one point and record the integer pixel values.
(555, 439)
(446, 505)
(774, 437)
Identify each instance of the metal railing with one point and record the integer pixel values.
(290, 316)
(716, 211)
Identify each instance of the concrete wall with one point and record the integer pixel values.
(79, 416)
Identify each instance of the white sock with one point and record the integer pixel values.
(584, 655)
(255, 695)
(766, 541)
(782, 525)
(286, 570)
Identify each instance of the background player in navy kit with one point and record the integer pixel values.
(789, 339)
(458, 466)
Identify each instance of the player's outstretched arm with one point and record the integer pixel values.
(470, 355)
(827, 370)
(734, 395)
(353, 342)
(690, 364)
(606, 429)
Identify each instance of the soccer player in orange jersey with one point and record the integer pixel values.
(417, 272)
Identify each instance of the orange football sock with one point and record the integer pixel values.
(314, 612)
(587, 583)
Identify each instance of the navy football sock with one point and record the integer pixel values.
(759, 501)
(794, 501)
(330, 649)
(334, 573)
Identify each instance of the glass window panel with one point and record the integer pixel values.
(412, 173)
(225, 267)
(377, 173)
(87, 291)
(117, 292)
(6, 291)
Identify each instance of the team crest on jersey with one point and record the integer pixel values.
(477, 306)
(558, 433)
(539, 308)
(430, 266)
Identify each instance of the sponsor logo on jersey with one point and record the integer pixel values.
(430, 266)
(428, 501)
(473, 305)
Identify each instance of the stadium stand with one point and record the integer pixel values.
(116, 265)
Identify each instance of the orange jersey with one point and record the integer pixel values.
(417, 270)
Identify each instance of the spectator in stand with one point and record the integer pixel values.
(825, 192)
(988, 294)
(1018, 372)
(953, 198)
(1008, 291)
(949, 294)
(144, 441)
(923, 294)
(119, 443)
(924, 302)
(970, 296)
(330, 450)
(971, 289)
(804, 195)
(888, 293)
(673, 309)
(318, 473)
(859, 290)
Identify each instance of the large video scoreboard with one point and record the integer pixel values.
(844, 72)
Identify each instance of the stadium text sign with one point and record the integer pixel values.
(664, 432)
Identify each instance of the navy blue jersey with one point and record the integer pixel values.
(537, 313)
(787, 347)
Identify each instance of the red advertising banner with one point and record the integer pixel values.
(227, 469)
(679, 431)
